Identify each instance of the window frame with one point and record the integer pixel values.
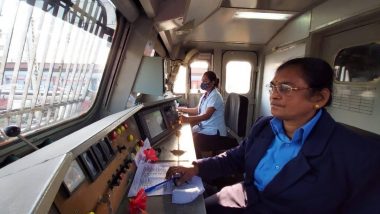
(34, 131)
(198, 90)
(249, 79)
(344, 74)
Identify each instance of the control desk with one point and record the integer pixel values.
(180, 140)
(91, 170)
(160, 124)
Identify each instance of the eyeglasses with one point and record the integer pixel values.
(283, 89)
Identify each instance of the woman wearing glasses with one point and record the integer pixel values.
(300, 160)
(208, 118)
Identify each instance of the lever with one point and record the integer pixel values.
(114, 181)
(14, 131)
(122, 168)
(121, 148)
(127, 163)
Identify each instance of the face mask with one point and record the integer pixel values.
(204, 86)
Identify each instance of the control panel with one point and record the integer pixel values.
(100, 177)
(158, 121)
(171, 114)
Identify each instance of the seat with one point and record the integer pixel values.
(363, 133)
(235, 115)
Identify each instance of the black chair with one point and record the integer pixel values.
(235, 115)
(363, 133)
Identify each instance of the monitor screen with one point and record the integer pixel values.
(88, 160)
(102, 159)
(155, 123)
(74, 177)
(107, 149)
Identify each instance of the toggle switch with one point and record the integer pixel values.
(121, 148)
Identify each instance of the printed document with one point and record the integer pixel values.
(149, 174)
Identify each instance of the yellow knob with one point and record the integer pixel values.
(130, 138)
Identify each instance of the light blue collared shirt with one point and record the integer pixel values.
(216, 122)
(281, 151)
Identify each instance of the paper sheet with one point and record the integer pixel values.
(149, 174)
(140, 157)
(188, 192)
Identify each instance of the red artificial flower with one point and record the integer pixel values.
(150, 155)
(138, 204)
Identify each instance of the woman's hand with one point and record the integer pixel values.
(180, 109)
(184, 119)
(186, 173)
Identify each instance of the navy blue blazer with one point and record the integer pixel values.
(336, 171)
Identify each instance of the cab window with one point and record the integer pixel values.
(358, 63)
(52, 58)
(238, 76)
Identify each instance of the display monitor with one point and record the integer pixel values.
(153, 124)
(107, 149)
(73, 178)
(88, 160)
(99, 155)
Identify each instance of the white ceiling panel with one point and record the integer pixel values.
(222, 27)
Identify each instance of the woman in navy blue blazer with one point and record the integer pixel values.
(300, 160)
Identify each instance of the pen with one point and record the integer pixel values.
(174, 178)
(150, 189)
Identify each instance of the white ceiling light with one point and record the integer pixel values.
(262, 15)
